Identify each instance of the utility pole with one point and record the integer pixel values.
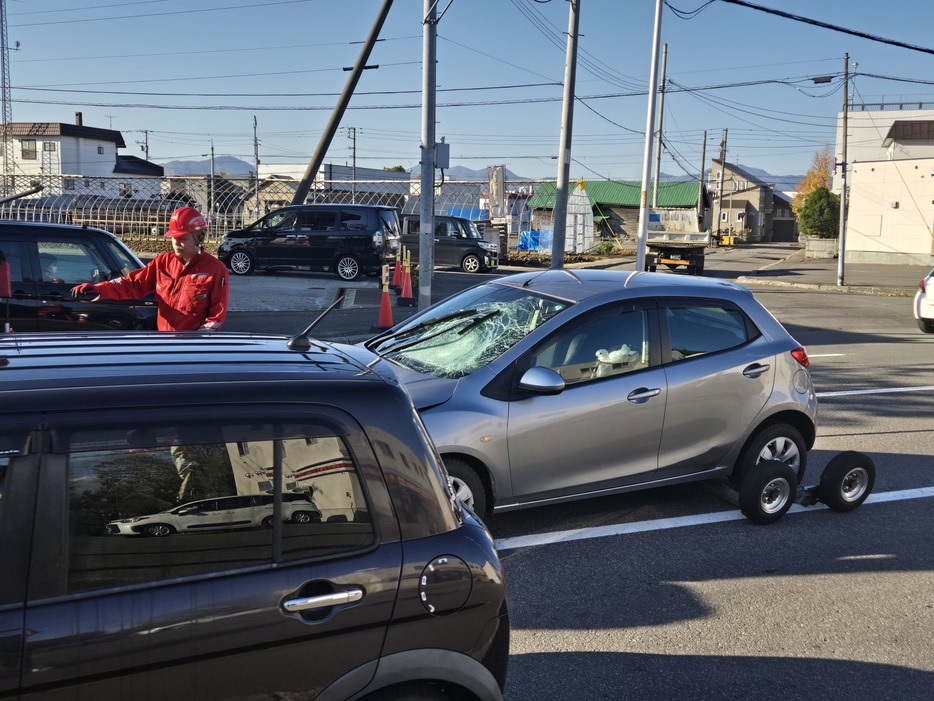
(564, 154)
(7, 104)
(144, 144)
(720, 179)
(256, 169)
(661, 118)
(352, 131)
(647, 158)
(426, 201)
(841, 253)
(700, 182)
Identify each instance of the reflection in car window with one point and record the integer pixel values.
(277, 221)
(610, 344)
(696, 329)
(150, 503)
(69, 262)
(480, 328)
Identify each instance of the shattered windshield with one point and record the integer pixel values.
(468, 331)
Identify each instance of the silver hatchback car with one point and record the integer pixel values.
(549, 386)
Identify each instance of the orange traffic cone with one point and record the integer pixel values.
(397, 271)
(385, 308)
(405, 298)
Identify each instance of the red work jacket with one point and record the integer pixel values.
(191, 296)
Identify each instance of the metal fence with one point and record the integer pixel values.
(138, 209)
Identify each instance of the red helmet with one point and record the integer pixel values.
(186, 220)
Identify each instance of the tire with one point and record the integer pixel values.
(847, 481)
(266, 522)
(348, 268)
(468, 487)
(471, 263)
(768, 491)
(652, 268)
(782, 442)
(301, 517)
(241, 262)
(926, 325)
(157, 530)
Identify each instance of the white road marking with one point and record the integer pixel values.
(884, 390)
(826, 355)
(661, 524)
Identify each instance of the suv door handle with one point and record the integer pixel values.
(322, 601)
(643, 393)
(756, 369)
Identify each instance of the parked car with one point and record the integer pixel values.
(348, 239)
(924, 304)
(221, 513)
(458, 244)
(549, 386)
(383, 587)
(47, 260)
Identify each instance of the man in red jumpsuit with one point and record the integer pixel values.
(191, 286)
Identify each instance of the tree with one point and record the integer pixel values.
(395, 169)
(820, 214)
(817, 176)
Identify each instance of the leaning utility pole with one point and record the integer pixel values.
(564, 153)
(661, 119)
(841, 252)
(647, 156)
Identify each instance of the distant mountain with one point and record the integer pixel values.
(463, 173)
(226, 165)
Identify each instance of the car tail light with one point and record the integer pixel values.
(921, 285)
(801, 356)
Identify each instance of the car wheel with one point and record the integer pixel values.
(926, 325)
(471, 264)
(266, 522)
(782, 442)
(768, 491)
(158, 530)
(241, 262)
(847, 480)
(301, 517)
(347, 268)
(467, 485)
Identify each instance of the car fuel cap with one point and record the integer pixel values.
(445, 585)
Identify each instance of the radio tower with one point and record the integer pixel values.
(7, 107)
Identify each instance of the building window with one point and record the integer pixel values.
(68, 184)
(29, 150)
(126, 189)
(724, 216)
(48, 145)
(100, 150)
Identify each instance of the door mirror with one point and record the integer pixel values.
(542, 380)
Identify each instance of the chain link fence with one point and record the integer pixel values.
(138, 209)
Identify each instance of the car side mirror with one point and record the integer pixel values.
(542, 380)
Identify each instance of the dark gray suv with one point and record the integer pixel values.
(387, 589)
(351, 240)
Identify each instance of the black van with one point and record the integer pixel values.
(458, 243)
(348, 239)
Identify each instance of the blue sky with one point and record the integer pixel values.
(188, 73)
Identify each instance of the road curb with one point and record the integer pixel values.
(827, 287)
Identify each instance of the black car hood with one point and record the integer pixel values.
(426, 391)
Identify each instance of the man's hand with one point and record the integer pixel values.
(84, 288)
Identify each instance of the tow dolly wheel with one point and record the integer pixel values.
(768, 491)
(847, 480)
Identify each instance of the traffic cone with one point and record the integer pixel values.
(385, 308)
(397, 271)
(405, 298)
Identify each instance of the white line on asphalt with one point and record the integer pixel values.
(529, 541)
(826, 355)
(885, 390)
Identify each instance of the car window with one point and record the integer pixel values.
(468, 333)
(605, 345)
(277, 221)
(353, 220)
(158, 501)
(70, 260)
(700, 328)
(317, 220)
(389, 222)
(15, 252)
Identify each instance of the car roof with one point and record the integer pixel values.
(30, 362)
(582, 284)
(9, 224)
(334, 205)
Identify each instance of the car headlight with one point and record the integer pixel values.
(133, 519)
(487, 246)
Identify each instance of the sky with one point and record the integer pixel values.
(185, 76)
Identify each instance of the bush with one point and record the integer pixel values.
(820, 214)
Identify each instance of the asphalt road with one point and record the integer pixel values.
(671, 594)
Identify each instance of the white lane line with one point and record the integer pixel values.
(885, 390)
(661, 524)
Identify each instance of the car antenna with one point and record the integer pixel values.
(301, 342)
